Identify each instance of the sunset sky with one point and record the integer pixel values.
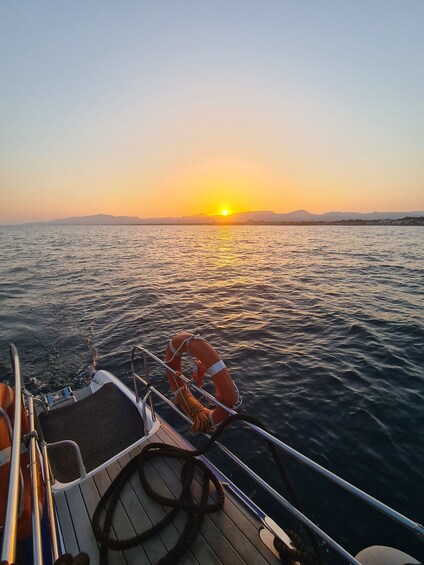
(174, 108)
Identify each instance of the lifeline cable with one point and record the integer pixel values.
(195, 511)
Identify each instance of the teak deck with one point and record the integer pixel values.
(230, 536)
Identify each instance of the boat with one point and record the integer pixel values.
(111, 481)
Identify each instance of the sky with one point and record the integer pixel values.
(179, 107)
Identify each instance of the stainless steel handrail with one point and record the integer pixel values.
(36, 522)
(415, 527)
(80, 462)
(11, 520)
(50, 507)
(46, 476)
(10, 533)
(147, 381)
(292, 509)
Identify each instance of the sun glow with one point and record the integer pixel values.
(224, 212)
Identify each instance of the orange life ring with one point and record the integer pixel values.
(25, 511)
(207, 360)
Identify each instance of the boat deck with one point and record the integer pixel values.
(230, 536)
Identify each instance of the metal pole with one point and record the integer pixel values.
(50, 509)
(80, 462)
(165, 399)
(36, 525)
(11, 519)
(292, 509)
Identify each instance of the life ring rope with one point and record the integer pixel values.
(226, 393)
(176, 352)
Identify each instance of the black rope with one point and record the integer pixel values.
(195, 511)
(299, 552)
(68, 559)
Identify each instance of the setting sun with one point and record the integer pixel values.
(224, 213)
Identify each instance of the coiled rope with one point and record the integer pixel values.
(195, 511)
(197, 412)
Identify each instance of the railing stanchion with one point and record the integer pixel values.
(36, 523)
(50, 507)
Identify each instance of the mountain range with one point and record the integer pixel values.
(297, 216)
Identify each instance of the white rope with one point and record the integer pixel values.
(212, 425)
(175, 352)
(177, 390)
(239, 398)
(171, 347)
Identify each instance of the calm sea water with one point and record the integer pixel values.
(322, 329)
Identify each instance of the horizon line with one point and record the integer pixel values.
(222, 218)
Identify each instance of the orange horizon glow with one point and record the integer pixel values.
(262, 122)
(209, 186)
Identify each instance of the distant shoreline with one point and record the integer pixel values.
(407, 221)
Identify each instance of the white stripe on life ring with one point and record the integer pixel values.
(5, 456)
(216, 367)
(171, 347)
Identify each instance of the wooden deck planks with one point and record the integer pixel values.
(122, 525)
(91, 497)
(242, 527)
(156, 512)
(84, 533)
(227, 537)
(66, 524)
(200, 551)
(218, 543)
(232, 522)
(153, 548)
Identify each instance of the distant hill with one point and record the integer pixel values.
(106, 219)
(97, 219)
(305, 216)
(297, 216)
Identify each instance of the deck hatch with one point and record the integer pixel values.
(102, 424)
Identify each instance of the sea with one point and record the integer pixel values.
(321, 327)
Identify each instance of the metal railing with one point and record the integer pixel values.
(15, 488)
(37, 544)
(81, 468)
(50, 507)
(415, 527)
